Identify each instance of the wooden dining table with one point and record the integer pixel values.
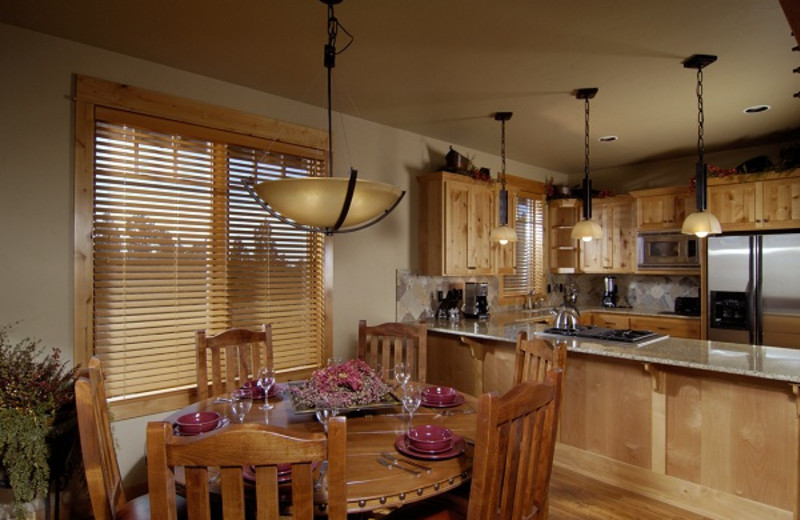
(370, 433)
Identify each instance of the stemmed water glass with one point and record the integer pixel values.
(241, 402)
(412, 398)
(266, 378)
(402, 374)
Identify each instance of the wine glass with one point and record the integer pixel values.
(266, 378)
(402, 374)
(241, 402)
(323, 414)
(412, 398)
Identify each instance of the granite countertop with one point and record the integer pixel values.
(773, 363)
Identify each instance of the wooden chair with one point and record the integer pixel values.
(99, 455)
(390, 343)
(229, 450)
(514, 448)
(244, 352)
(536, 357)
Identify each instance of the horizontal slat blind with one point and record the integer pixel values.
(179, 245)
(529, 224)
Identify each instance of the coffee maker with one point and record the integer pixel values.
(610, 294)
(476, 300)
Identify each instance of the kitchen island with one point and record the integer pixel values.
(709, 426)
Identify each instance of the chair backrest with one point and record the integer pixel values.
(241, 351)
(536, 357)
(253, 448)
(97, 445)
(514, 448)
(390, 343)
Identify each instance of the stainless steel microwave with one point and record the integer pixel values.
(668, 250)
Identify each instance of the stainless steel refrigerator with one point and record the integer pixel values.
(754, 289)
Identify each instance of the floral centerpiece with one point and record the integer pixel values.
(36, 390)
(347, 385)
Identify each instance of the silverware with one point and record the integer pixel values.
(391, 457)
(322, 471)
(391, 464)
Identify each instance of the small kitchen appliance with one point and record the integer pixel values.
(610, 294)
(448, 303)
(476, 300)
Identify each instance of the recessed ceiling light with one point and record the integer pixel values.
(607, 138)
(755, 109)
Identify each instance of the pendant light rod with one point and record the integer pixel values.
(503, 233)
(586, 94)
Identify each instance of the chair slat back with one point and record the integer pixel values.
(536, 357)
(103, 478)
(234, 449)
(240, 352)
(514, 451)
(390, 343)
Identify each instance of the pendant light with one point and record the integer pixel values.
(702, 222)
(503, 233)
(327, 204)
(587, 229)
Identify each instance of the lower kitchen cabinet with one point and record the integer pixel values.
(688, 328)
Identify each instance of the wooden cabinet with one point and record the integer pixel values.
(662, 208)
(688, 328)
(563, 214)
(616, 251)
(675, 327)
(456, 215)
(756, 201)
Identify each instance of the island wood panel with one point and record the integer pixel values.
(606, 408)
(733, 434)
(469, 364)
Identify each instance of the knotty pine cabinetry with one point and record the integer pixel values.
(616, 251)
(456, 214)
(563, 214)
(756, 201)
(688, 328)
(662, 209)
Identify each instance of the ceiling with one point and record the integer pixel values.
(442, 68)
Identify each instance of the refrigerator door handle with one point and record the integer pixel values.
(754, 291)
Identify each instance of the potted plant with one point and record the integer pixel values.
(36, 409)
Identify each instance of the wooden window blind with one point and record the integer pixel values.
(179, 245)
(529, 224)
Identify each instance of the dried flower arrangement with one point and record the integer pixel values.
(37, 385)
(346, 385)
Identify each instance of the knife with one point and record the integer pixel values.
(391, 457)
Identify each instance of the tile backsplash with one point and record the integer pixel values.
(416, 296)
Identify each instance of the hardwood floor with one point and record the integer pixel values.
(576, 497)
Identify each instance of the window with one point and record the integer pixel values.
(178, 244)
(528, 220)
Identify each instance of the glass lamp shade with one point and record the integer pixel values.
(317, 201)
(586, 230)
(503, 234)
(701, 224)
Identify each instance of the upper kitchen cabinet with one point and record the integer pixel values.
(456, 214)
(661, 209)
(616, 251)
(756, 201)
(563, 214)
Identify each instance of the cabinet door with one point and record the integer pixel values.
(614, 253)
(456, 228)
(780, 203)
(675, 327)
(611, 320)
(480, 220)
(734, 205)
(665, 211)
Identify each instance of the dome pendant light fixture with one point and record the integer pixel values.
(702, 222)
(587, 229)
(503, 233)
(329, 204)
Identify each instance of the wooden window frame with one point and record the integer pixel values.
(93, 94)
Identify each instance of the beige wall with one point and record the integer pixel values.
(36, 168)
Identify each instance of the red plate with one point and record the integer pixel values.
(403, 446)
(459, 400)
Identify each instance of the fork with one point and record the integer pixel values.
(391, 464)
(389, 456)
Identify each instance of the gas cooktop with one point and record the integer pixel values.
(637, 337)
